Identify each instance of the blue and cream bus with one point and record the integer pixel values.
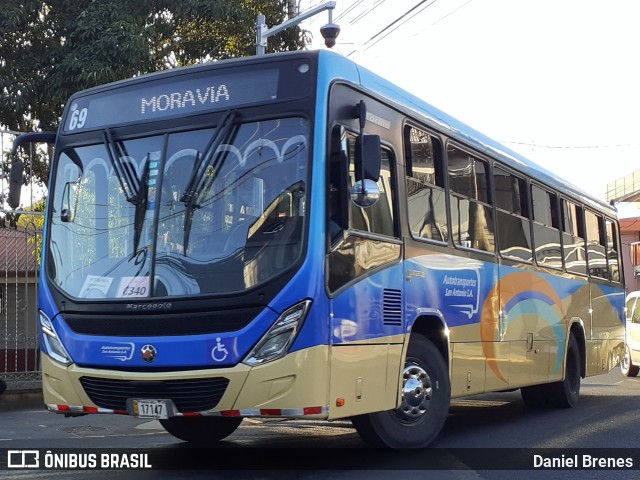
(291, 235)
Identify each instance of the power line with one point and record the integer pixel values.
(398, 22)
(452, 12)
(366, 12)
(348, 10)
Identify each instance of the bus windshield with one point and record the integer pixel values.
(200, 212)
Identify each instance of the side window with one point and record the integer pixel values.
(635, 315)
(379, 218)
(471, 213)
(629, 303)
(573, 238)
(613, 255)
(513, 229)
(352, 249)
(596, 241)
(426, 201)
(546, 231)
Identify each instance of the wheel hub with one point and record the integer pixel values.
(417, 391)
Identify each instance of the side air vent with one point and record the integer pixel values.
(392, 307)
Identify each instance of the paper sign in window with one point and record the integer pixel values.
(132, 287)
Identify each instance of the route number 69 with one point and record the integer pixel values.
(78, 118)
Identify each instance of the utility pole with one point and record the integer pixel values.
(329, 32)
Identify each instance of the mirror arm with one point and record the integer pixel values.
(32, 137)
(361, 110)
(17, 165)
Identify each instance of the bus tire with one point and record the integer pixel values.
(562, 394)
(425, 393)
(535, 396)
(626, 365)
(201, 430)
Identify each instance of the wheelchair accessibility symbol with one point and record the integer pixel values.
(219, 353)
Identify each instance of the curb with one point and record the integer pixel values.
(21, 400)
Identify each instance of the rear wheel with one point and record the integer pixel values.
(201, 430)
(562, 394)
(425, 392)
(626, 365)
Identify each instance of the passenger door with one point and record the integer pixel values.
(364, 274)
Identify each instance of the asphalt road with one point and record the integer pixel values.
(606, 417)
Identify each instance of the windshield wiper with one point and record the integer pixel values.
(199, 180)
(135, 191)
(127, 179)
(141, 202)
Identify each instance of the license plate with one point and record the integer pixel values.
(150, 408)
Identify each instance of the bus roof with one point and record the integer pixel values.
(456, 129)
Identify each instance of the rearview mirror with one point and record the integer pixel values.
(365, 193)
(15, 182)
(368, 157)
(69, 202)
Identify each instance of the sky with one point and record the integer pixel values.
(555, 80)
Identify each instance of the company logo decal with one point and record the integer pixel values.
(149, 353)
(122, 351)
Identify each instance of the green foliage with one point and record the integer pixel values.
(34, 224)
(50, 49)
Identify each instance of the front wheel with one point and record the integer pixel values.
(626, 365)
(201, 430)
(425, 392)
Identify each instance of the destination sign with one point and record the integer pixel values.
(167, 97)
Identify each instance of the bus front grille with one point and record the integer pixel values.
(191, 395)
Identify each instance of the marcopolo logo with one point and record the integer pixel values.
(148, 353)
(149, 306)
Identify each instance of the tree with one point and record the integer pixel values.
(50, 49)
(32, 224)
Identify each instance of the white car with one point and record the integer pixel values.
(630, 363)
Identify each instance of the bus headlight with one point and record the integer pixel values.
(278, 339)
(53, 345)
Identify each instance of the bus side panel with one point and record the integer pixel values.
(364, 378)
(538, 312)
(531, 324)
(605, 344)
(367, 338)
(461, 292)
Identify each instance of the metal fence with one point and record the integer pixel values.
(19, 240)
